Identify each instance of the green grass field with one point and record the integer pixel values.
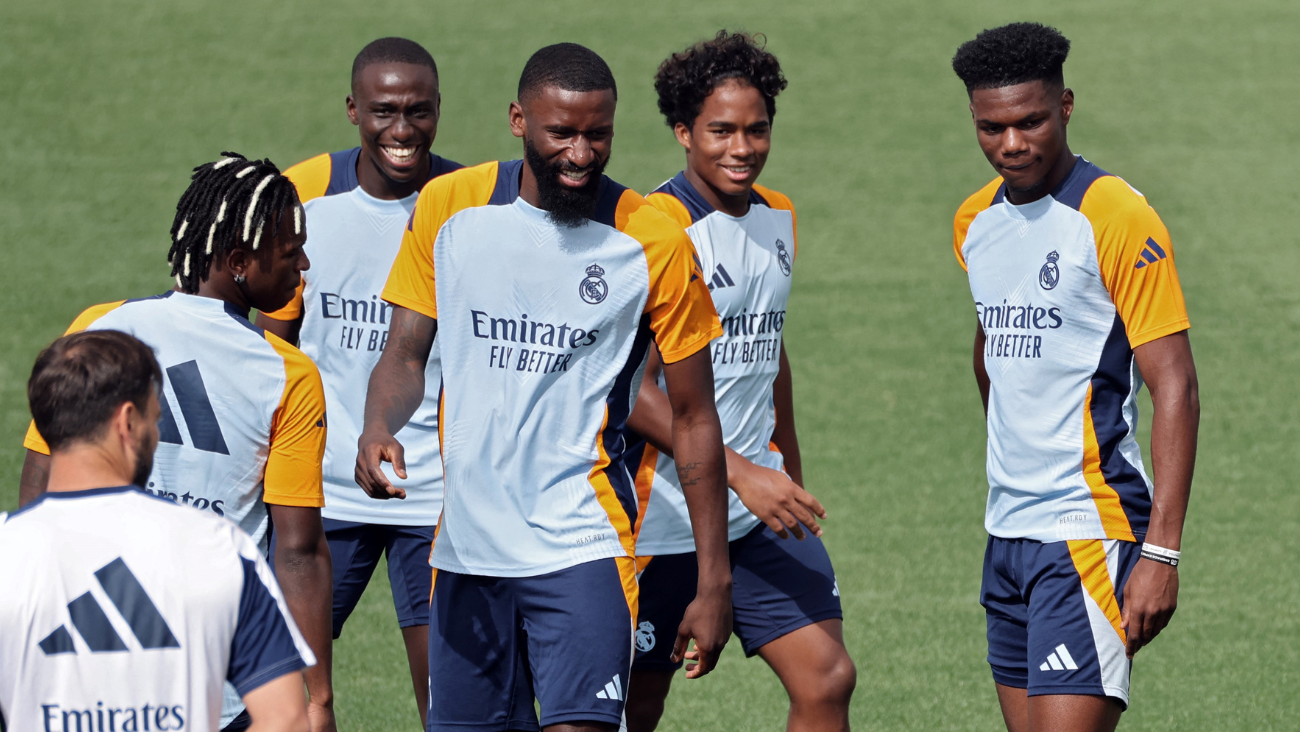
(107, 106)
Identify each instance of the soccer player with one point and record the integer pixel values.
(719, 98)
(128, 612)
(551, 283)
(242, 423)
(1077, 304)
(359, 201)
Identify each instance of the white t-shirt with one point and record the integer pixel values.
(128, 612)
(544, 334)
(747, 262)
(352, 239)
(1065, 288)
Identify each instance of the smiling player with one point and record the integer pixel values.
(1077, 304)
(359, 201)
(545, 282)
(719, 97)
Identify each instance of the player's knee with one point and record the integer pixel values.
(833, 686)
(643, 713)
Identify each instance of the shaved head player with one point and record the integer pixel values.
(545, 282)
(1077, 304)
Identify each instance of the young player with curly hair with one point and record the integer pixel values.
(719, 98)
(1077, 304)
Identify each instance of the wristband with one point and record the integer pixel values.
(1161, 554)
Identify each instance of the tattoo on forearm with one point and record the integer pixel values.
(686, 473)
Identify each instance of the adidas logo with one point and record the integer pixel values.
(613, 690)
(721, 279)
(1059, 660)
(1151, 253)
(92, 623)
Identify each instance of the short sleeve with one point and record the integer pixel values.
(970, 208)
(293, 467)
(311, 177)
(33, 440)
(680, 307)
(293, 310)
(1136, 258)
(266, 644)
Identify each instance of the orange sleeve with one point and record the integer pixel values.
(411, 282)
(671, 207)
(1136, 259)
(293, 467)
(681, 309)
(293, 310)
(311, 177)
(782, 202)
(970, 208)
(33, 440)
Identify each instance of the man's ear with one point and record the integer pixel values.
(518, 125)
(1067, 105)
(352, 110)
(236, 261)
(683, 134)
(123, 422)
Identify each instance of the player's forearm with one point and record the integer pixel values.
(701, 469)
(1174, 427)
(981, 374)
(652, 417)
(395, 392)
(35, 478)
(784, 434)
(305, 574)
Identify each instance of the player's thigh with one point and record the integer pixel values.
(409, 573)
(1075, 644)
(1073, 713)
(666, 587)
(478, 661)
(1006, 615)
(355, 549)
(779, 586)
(578, 624)
(813, 664)
(1015, 707)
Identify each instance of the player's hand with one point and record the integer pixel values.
(377, 446)
(708, 622)
(320, 717)
(1150, 598)
(775, 499)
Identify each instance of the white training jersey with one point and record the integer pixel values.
(544, 333)
(129, 613)
(352, 239)
(1065, 288)
(747, 262)
(243, 412)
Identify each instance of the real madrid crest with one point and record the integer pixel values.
(593, 287)
(783, 257)
(645, 636)
(1049, 275)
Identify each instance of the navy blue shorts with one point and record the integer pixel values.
(355, 549)
(496, 644)
(777, 586)
(1054, 611)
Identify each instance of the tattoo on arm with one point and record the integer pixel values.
(687, 473)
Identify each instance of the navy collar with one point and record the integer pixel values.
(680, 188)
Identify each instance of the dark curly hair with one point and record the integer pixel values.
(686, 79)
(1012, 54)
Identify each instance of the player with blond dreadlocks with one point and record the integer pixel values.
(242, 426)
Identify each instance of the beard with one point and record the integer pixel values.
(564, 206)
(143, 461)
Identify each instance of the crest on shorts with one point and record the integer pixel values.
(645, 636)
(783, 257)
(593, 287)
(1049, 276)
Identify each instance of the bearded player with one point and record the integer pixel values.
(359, 201)
(545, 282)
(1078, 304)
(719, 97)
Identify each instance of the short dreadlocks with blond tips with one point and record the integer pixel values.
(227, 205)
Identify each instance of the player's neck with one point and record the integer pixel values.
(88, 465)
(377, 185)
(736, 206)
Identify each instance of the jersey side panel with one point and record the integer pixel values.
(411, 282)
(778, 201)
(33, 440)
(293, 466)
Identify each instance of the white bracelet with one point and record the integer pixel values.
(1161, 551)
